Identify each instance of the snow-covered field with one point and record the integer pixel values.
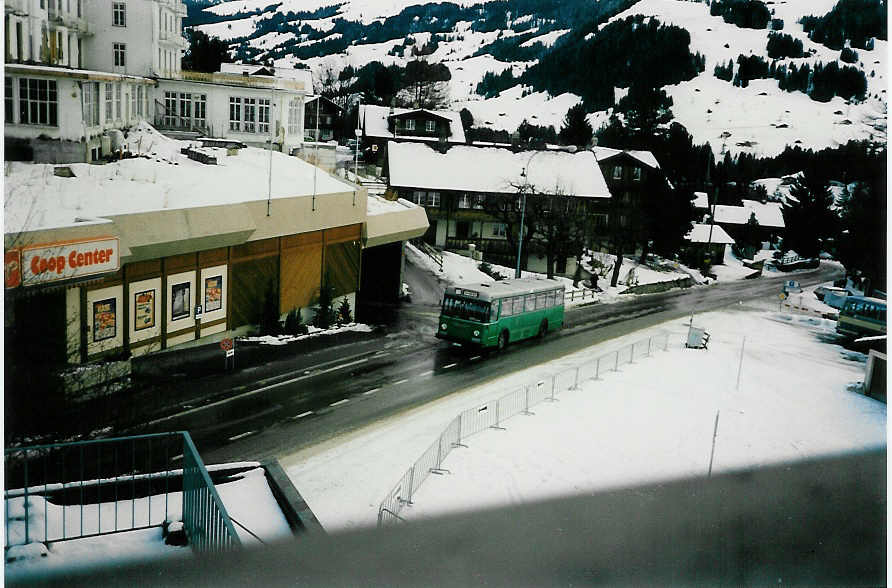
(247, 499)
(782, 393)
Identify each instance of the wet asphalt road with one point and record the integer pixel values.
(331, 393)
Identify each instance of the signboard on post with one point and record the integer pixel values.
(226, 344)
(230, 353)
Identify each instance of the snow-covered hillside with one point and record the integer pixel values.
(761, 119)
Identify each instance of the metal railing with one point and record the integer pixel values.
(580, 295)
(429, 250)
(493, 414)
(65, 491)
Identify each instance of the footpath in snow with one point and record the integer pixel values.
(652, 420)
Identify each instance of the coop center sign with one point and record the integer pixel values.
(53, 262)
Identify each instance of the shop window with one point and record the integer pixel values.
(180, 301)
(144, 310)
(213, 293)
(104, 319)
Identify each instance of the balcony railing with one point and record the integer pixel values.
(238, 80)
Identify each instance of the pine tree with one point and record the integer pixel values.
(324, 311)
(809, 219)
(646, 108)
(269, 312)
(576, 130)
(345, 315)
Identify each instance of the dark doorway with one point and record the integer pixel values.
(462, 229)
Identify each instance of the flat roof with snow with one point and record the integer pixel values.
(769, 214)
(160, 179)
(466, 168)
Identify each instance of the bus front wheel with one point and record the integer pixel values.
(503, 340)
(543, 329)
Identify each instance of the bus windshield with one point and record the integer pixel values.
(474, 310)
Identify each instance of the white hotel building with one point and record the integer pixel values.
(78, 69)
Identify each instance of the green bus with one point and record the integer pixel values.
(861, 316)
(498, 313)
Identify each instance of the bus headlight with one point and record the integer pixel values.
(443, 326)
(476, 333)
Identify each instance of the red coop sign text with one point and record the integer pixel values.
(64, 261)
(13, 268)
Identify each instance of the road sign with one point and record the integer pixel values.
(782, 296)
(230, 353)
(226, 345)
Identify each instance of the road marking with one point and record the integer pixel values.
(427, 373)
(308, 371)
(398, 382)
(257, 391)
(339, 402)
(451, 365)
(475, 358)
(372, 391)
(381, 354)
(242, 436)
(302, 415)
(404, 346)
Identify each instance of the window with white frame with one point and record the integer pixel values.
(185, 111)
(464, 201)
(91, 103)
(170, 108)
(7, 99)
(120, 51)
(263, 108)
(617, 172)
(294, 116)
(636, 174)
(119, 14)
(200, 103)
(430, 126)
(249, 122)
(38, 102)
(419, 197)
(109, 102)
(118, 101)
(433, 199)
(235, 113)
(410, 124)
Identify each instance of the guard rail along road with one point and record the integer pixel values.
(494, 413)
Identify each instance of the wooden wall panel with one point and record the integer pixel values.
(250, 281)
(212, 257)
(178, 263)
(256, 249)
(301, 277)
(303, 239)
(345, 233)
(143, 269)
(342, 267)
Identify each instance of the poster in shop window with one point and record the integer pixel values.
(213, 293)
(104, 320)
(144, 310)
(179, 301)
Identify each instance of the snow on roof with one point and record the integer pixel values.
(374, 122)
(378, 205)
(284, 73)
(50, 70)
(645, 157)
(37, 199)
(767, 215)
(701, 200)
(494, 170)
(700, 234)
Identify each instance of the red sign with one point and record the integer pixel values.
(61, 261)
(226, 344)
(13, 269)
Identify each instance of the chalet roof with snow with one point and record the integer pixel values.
(767, 215)
(701, 200)
(467, 168)
(311, 99)
(375, 118)
(645, 157)
(700, 234)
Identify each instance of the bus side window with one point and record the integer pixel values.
(549, 299)
(518, 304)
(559, 297)
(530, 302)
(494, 311)
(541, 301)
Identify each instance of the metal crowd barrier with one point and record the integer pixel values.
(493, 413)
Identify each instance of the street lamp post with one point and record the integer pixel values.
(523, 209)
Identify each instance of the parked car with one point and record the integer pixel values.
(832, 296)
